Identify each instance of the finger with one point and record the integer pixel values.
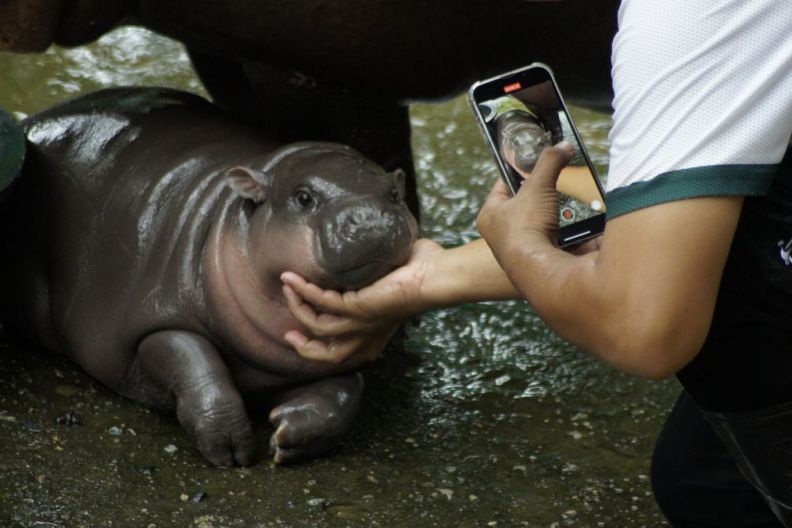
(292, 279)
(307, 291)
(296, 339)
(499, 194)
(326, 300)
(324, 324)
(356, 350)
(501, 188)
(300, 309)
(588, 246)
(316, 350)
(549, 165)
(320, 324)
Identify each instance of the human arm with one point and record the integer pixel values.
(690, 137)
(686, 144)
(644, 301)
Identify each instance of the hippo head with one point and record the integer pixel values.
(341, 217)
(522, 137)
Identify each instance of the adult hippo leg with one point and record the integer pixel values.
(84, 21)
(33, 25)
(29, 25)
(313, 418)
(226, 82)
(300, 107)
(184, 370)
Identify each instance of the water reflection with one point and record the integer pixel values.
(127, 56)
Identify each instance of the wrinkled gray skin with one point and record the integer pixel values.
(148, 233)
(344, 70)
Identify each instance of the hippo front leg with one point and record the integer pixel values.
(187, 373)
(312, 418)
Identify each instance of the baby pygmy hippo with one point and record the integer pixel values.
(145, 240)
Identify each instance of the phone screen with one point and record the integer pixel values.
(521, 113)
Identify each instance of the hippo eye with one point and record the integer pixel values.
(394, 195)
(304, 198)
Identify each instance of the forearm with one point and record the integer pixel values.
(467, 273)
(586, 305)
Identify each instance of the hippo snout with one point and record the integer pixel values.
(364, 242)
(363, 221)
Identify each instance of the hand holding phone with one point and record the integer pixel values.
(520, 113)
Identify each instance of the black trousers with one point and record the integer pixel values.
(695, 480)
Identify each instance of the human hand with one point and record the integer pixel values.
(589, 246)
(510, 224)
(356, 325)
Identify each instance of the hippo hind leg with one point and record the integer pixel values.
(312, 418)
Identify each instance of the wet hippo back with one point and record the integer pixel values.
(113, 204)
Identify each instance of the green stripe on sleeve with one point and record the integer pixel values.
(715, 180)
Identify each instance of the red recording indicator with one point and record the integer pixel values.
(513, 87)
(567, 214)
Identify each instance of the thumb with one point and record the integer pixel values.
(549, 165)
(499, 193)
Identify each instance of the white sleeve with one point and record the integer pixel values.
(700, 84)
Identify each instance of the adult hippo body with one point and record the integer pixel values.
(148, 236)
(345, 71)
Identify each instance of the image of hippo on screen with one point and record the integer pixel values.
(145, 239)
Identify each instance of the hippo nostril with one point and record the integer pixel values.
(361, 218)
(366, 224)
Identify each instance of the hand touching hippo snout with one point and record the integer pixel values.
(150, 233)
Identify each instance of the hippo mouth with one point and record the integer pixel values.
(357, 277)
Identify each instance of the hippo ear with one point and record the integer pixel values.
(399, 177)
(246, 183)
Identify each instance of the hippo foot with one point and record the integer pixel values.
(218, 423)
(313, 418)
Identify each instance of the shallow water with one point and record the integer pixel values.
(477, 416)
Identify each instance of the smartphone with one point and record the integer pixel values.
(522, 112)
